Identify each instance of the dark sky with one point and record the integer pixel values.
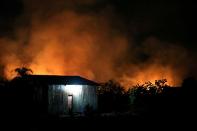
(170, 21)
(9, 11)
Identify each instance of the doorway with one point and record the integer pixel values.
(70, 103)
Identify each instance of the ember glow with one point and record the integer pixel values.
(93, 45)
(151, 74)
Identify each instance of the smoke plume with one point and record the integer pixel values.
(69, 38)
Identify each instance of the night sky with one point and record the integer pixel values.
(171, 22)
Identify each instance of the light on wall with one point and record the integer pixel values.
(73, 89)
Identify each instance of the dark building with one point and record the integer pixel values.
(54, 95)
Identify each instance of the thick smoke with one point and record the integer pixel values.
(62, 38)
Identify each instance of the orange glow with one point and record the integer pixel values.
(69, 43)
(151, 74)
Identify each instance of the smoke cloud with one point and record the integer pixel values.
(63, 38)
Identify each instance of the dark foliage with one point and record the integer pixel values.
(23, 71)
(162, 101)
(112, 97)
(156, 101)
(189, 96)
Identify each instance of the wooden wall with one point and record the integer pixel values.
(58, 99)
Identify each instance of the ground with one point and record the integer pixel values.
(108, 121)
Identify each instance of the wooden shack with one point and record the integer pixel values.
(57, 95)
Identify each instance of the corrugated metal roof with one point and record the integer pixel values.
(55, 79)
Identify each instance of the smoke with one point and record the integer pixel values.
(158, 60)
(62, 39)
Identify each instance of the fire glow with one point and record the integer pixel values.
(70, 43)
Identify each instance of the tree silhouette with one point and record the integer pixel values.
(112, 97)
(161, 82)
(23, 71)
(158, 99)
(112, 87)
